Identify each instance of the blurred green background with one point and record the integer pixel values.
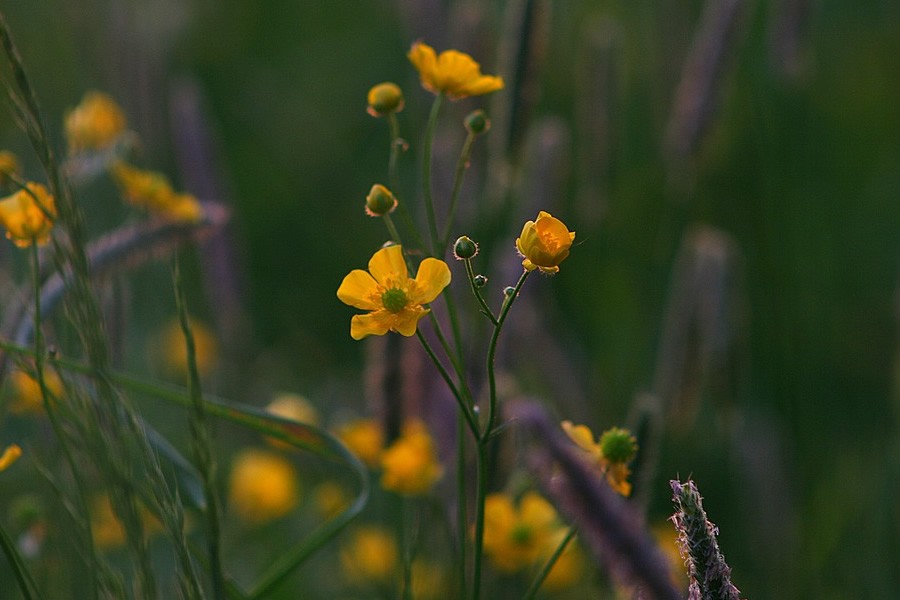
(764, 213)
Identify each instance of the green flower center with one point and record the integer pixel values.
(521, 535)
(394, 300)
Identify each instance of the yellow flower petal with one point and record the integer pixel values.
(373, 323)
(424, 59)
(405, 322)
(583, 437)
(360, 290)
(10, 455)
(536, 511)
(483, 85)
(388, 267)
(453, 73)
(432, 278)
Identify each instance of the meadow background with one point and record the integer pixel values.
(777, 355)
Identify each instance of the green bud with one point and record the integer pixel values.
(508, 291)
(380, 201)
(384, 99)
(464, 248)
(618, 445)
(480, 281)
(477, 122)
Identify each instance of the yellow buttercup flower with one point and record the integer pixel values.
(10, 455)
(28, 215)
(294, 407)
(263, 486)
(611, 454)
(170, 351)
(27, 396)
(95, 123)
(453, 73)
(516, 537)
(395, 301)
(365, 438)
(152, 191)
(370, 555)
(410, 465)
(544, 243)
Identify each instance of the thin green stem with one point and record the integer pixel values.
(462, 165)
(467, 412)
(426, 173)
(201, 439)
(454, 359)
(398, 145)
(548, 566)
(492, 352)
(392, 229)
(39, 358)
(26, 583)
(462, 517)
(485, 309)
(481, 460)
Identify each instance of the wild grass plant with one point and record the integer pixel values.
(474, 466)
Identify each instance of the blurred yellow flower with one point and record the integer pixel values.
(544, 243)
(263, 486)
(515, 537)
(152, 191)
(384, 99)
(567, 569)
(294, 407)
(95, 123)
(620, 448)
(429, 580)
(330, 499)
(452, 73)
(170, 351)
(10, 455)
(395, 301)
(410, 465)
(106, 528)
(27, 397)
(370, 555)
(9, 166)
(365, 438)
(28, 215)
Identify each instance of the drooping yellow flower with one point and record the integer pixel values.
(27, 396)
(95, 123)
(611, 454)
(365, 438)
(370, 555)
(453, 73)
(515, 537)
(395, 301)
(410, 465)
(152, 191)
(263, 486)
(28, 215)
(544, 243)
(10, 455)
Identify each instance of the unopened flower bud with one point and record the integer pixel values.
(380, 201)
(384, 99)
(480, 281)
(464, 248)
(477, 122)
(508, 291)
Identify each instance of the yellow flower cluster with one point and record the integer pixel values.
(152, 191)
(28, 215)
(613, 463)
(395, 301)
(95, 123)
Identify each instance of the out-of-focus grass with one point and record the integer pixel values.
(804, 174)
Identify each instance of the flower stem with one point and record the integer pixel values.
(462, 165)
(398, 145)
(481, 459)
(392, 229)
(467, 412)
(462, 517)
(426, 173)
(485, 309)
(492, 351)
(548, 566)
